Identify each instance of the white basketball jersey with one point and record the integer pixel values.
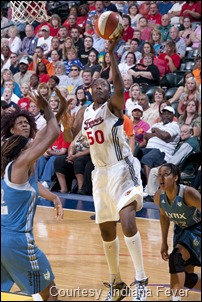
(106, 137)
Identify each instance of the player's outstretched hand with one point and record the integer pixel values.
(58, 208)
(114, 42)
(38, 99)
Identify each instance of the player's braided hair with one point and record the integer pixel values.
(11, 150)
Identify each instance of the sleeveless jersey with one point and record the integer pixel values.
(18, 204)
(179, 212)
(106, 136)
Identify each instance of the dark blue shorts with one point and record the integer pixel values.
(152, 157)
(190, 238)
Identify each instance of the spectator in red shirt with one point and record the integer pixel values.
(55, 22)
(153, 16)
(70, 23)
(171, 58)
(144, 8)
(128, 30)
(191, 9)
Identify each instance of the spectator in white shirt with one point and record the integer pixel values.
(45, 41)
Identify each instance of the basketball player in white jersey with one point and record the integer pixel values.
(117, 186)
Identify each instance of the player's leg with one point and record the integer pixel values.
(49, 293)
(192, 280)
(118, 289)
(134, 244)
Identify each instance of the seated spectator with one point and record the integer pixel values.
(87, 84)
(164, 6)
(191, 92)
(82, 17)
(23, 76)
(72, 59)
(156, 41)
(74, 106)
(143, 101)
(128, 30)
(140, 127)
(106, 72)
(14, 41)
(55, 45)
(196, 37)
(34, 82)
(191, 9)
(144, 8)
(158, 97)
(93, 64)
(44, 90)
(60, 72)
(78, 42)
(54, 58)
(99, 9)
(162, 105)
(142, 25)
(42, 72)
(154, 17)
(53, 83)
(170, 57)
(133, 47)
(186, 32)
(6, 96)
(45, 164)
(63, 34)
(67, 45)
(83, 53)
(162, 139)
(81, 97)
(39, 57)
(197, 69)
(70, 23)
(180, 89)
(134, 93)
(164, 28)
(178, 41)
(29, 43)
(192, 118)
(146, 74)
(24, 101)
(45, 40)
(54, 103)
(6, 75)
(73, 165)
(55, 23)
(133, 12)
(39, 119)
(138, 35)
(5, 57)
(14, 68)
(91, 26)
(37, 30)
(127, 81)
(130, 62)
(74, 78)
(110, 6)
(174, 12)
(188, 144)
(10, 84)
(146, 49)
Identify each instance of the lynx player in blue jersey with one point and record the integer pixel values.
(22, 262)
(182, 205)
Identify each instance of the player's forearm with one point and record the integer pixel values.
(116, 75)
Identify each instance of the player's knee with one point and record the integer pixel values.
(190, 280)
(176, 262)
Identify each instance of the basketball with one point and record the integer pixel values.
(108, 24)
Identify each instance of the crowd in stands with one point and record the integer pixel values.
(159, 58)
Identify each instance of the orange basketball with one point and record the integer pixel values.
(108, 24)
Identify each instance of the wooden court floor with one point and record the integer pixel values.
(74, 249)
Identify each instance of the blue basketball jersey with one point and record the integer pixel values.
(178, 212)
(18, 204)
